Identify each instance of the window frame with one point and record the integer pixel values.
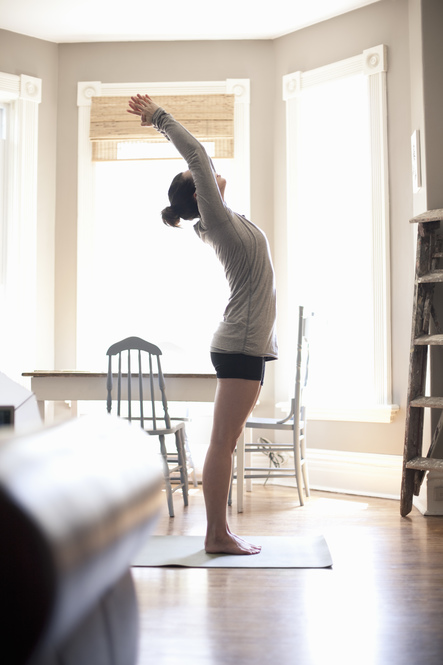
(373, 64)
(23, 94)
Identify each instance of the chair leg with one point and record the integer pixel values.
(232, 478)
(298, 465)
(303, 454)
(190, 460)
(181, 452)
(249, 435)
(306, 479)
(298, 477)
(240, 471)
(166, 476)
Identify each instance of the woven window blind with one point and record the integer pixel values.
(210, 118)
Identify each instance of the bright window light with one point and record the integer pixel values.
(150, 280)
(333, 233)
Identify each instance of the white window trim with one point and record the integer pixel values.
(88, 89)
(24, 93)
(373, 64)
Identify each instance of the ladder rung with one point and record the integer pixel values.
(423, 340)
(430, 277)
(428, 402)
(424, 463)
(429, 216)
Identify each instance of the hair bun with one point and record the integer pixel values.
(170, 216)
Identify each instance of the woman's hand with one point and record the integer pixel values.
(143, 106)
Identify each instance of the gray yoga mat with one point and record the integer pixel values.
(277, 552)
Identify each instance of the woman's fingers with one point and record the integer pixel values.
(139, 104)
(135, 108)
(143, 106)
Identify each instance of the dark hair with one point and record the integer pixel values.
(182, 200)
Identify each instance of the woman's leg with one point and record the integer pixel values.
(234, 401)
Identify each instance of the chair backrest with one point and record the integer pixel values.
(301, 370)
(302, 357)
(149, 375)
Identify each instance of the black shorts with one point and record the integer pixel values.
(238, 366)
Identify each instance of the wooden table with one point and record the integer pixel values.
(61, 385)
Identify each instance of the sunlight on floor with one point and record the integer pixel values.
(333, 625)
(337, 506)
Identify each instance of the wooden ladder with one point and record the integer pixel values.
(428, 273)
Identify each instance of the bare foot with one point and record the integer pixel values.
(229, 543)
(244, 543)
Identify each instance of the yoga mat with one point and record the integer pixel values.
(277, 552)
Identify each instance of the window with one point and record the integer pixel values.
(135, 275)
(338, 233)
(19, 100)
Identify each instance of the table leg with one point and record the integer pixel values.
(41, 408)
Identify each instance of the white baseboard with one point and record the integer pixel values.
(363, 474)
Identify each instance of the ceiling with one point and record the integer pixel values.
(68, 21)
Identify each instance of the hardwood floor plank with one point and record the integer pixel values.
(381, 603)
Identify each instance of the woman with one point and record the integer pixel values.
(245, 338)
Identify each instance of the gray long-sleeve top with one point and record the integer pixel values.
(248, 324)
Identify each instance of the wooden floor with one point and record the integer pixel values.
(381, 603)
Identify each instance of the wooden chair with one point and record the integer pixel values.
(294, 422)
(134, 391)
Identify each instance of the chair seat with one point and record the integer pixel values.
(166, 430)
(271, 423)
(160, 430)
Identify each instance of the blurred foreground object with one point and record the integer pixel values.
(77, 500)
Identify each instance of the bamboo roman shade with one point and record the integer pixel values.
(210, 118)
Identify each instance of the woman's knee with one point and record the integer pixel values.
(222, 436)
